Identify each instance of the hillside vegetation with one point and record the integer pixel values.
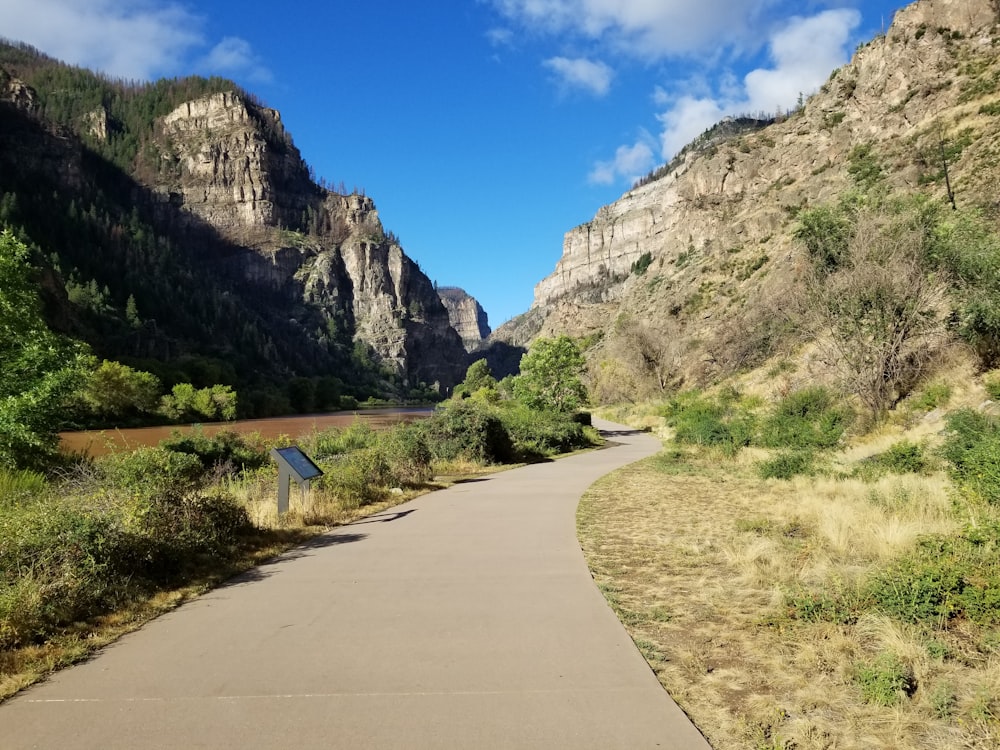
(811, 322)
(90, 548)
(93, 184)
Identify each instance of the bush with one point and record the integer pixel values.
(806, 418)
(980, 471)
(917, 590)
(337, 441)
(470, 430)
(407, 454)
(945, 578)
(62, 560)
(150, 471)
(538, 434)
(885, 681)
(227, 448)
(934, 395)
(358, 478)
(17, 487)
(973, 449)
(700, 421)
(786, 465)
(903, 457)
(180, 527)
(992, 385)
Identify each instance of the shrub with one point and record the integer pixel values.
(407, 454)
(981, 469)
(820, 606)
(470, 430)
(700, 421)
(973, 449)
(336, 440)
(806, 418)
(786, 465)
(537, 434)
(933, 396)
(992, 385)
(19, 486)
(358, 478)
(885, 681)
(903, 457)
(917, 589)
(943, 579)
(966, 429)
(181, 526)
(149, 471)
(227, 448)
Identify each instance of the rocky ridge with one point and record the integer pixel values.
(467, 316)
(228, 183)
(697, 256)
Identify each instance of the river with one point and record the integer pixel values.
(100, 442)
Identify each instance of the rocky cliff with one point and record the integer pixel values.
(230, 163)
(697, 256)
(467, 316)
(212, 190)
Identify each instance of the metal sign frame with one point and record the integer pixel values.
(293, 464)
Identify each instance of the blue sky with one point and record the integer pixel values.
(483, 129)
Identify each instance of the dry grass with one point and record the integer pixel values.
(309, 514)
(696, 556)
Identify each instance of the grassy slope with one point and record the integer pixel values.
(698, 555)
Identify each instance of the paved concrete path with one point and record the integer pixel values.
(464, 619)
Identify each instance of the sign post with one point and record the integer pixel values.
(293, 464)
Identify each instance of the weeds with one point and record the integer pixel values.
(786, 465)
(885, 681)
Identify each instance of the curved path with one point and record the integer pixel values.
(464, 619)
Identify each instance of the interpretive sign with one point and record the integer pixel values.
(295, 465)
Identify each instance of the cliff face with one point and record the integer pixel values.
(697, 255)
(217, 211)
(228, 162)
(467, 316)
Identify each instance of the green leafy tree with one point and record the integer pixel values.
(114, 391)
(38, 368)
(185, 402)
(551, 375)
(478, 380)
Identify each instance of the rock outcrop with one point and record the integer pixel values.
(698, 253)
(467, 316)
(228, 162)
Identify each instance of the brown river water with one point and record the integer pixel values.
(100, 442)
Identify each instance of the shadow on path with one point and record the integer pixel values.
(384, 517)
(266, 569)
(622, 433)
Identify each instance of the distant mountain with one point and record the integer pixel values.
(467, 316)
(688, 277)
(186, 235)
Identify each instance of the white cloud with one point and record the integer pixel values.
(133, 39)
(688, 118)
(235, 56)
(646, 28)
(500, 37)
(126, 38)
(580, 73)
(803, 53)
(630, 163)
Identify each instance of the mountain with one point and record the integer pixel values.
(184, 233)
(467, 316)
(688, 277)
